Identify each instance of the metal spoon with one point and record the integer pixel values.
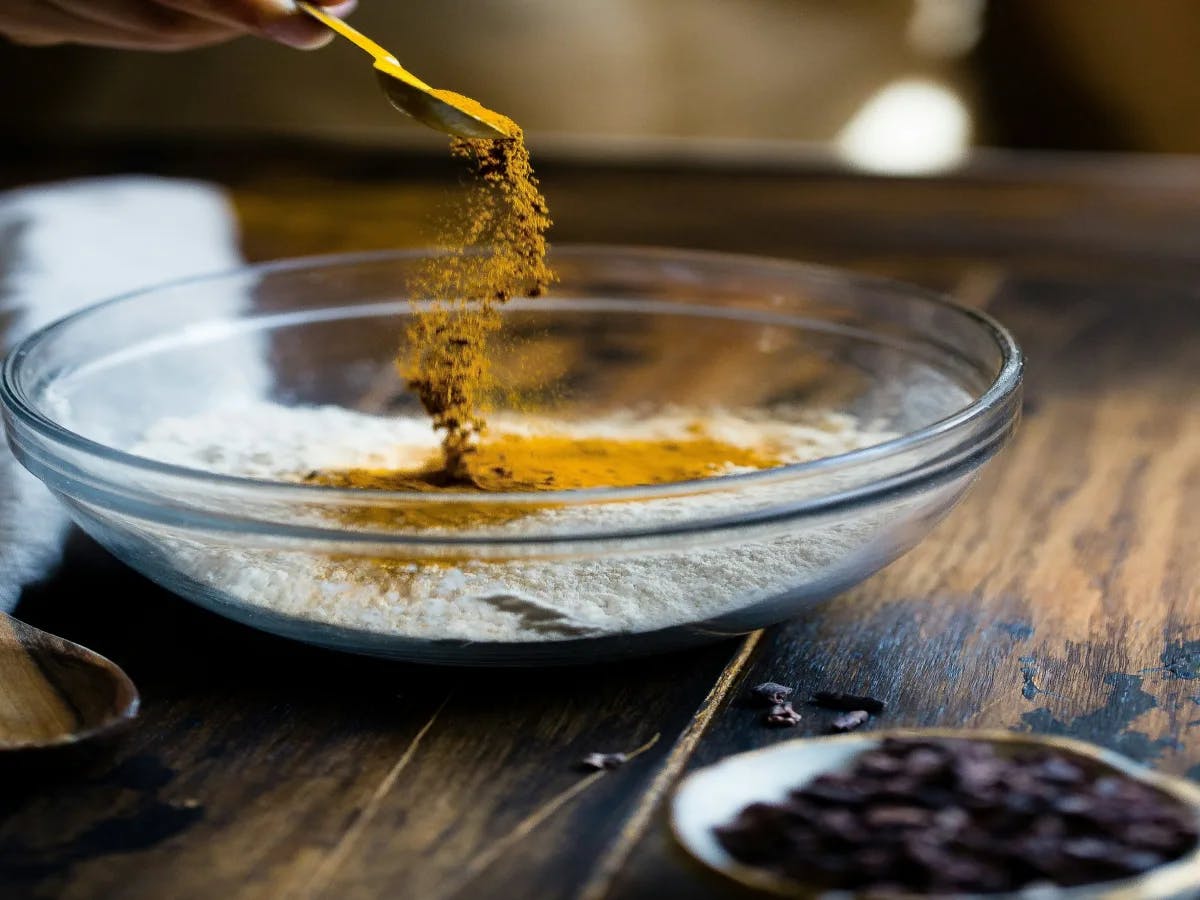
(53, 692)
(442, 110)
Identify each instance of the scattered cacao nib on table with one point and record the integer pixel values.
(850, 721)
(848, 702)
(944, 817)
(783, 715)
(771, 694)
(597, 761)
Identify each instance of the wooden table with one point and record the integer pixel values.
(1062, 597)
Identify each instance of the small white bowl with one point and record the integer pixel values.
(713, 796)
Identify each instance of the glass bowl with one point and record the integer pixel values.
(161, 420)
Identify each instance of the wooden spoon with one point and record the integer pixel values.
(54, 693)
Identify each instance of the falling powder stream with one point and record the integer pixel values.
(494, 249)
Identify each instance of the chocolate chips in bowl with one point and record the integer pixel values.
(911, 814)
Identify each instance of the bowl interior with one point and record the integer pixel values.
(643, 336)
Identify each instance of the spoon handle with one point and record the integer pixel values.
(384, 61)
(351, 34)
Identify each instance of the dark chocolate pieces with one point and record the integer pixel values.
(858, 709)
(849, 721)
(959, 817)
(783, 715)
(780, 712)
(771, 694)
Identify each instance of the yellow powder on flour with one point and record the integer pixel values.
(516, 463)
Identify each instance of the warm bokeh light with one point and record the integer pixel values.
(945, 28)
(909, 127)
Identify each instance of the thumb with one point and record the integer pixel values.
(284, 21)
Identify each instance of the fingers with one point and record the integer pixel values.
(161, 24)
(275, 19)
(145, 24)
(46, 22)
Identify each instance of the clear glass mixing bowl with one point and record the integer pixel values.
(634, 332)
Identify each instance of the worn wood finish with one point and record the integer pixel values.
(1063, 597)
(55, 692)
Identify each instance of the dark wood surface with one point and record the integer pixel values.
(1062, 597)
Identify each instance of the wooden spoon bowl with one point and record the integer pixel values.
(54, 693)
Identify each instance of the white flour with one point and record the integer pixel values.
(512, 599)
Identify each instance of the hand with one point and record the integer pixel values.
(161, 24)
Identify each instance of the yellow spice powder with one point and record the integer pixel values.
(478, 110)
(510, 463)
(495, 249)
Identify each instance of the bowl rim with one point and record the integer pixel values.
(1004, 385)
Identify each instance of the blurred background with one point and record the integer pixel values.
(887, 85)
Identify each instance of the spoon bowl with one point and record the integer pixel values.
(56, 693)
(441, 110)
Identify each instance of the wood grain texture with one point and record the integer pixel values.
(1062, 597)
(32, 711)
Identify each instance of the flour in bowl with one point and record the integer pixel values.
(556, 591)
